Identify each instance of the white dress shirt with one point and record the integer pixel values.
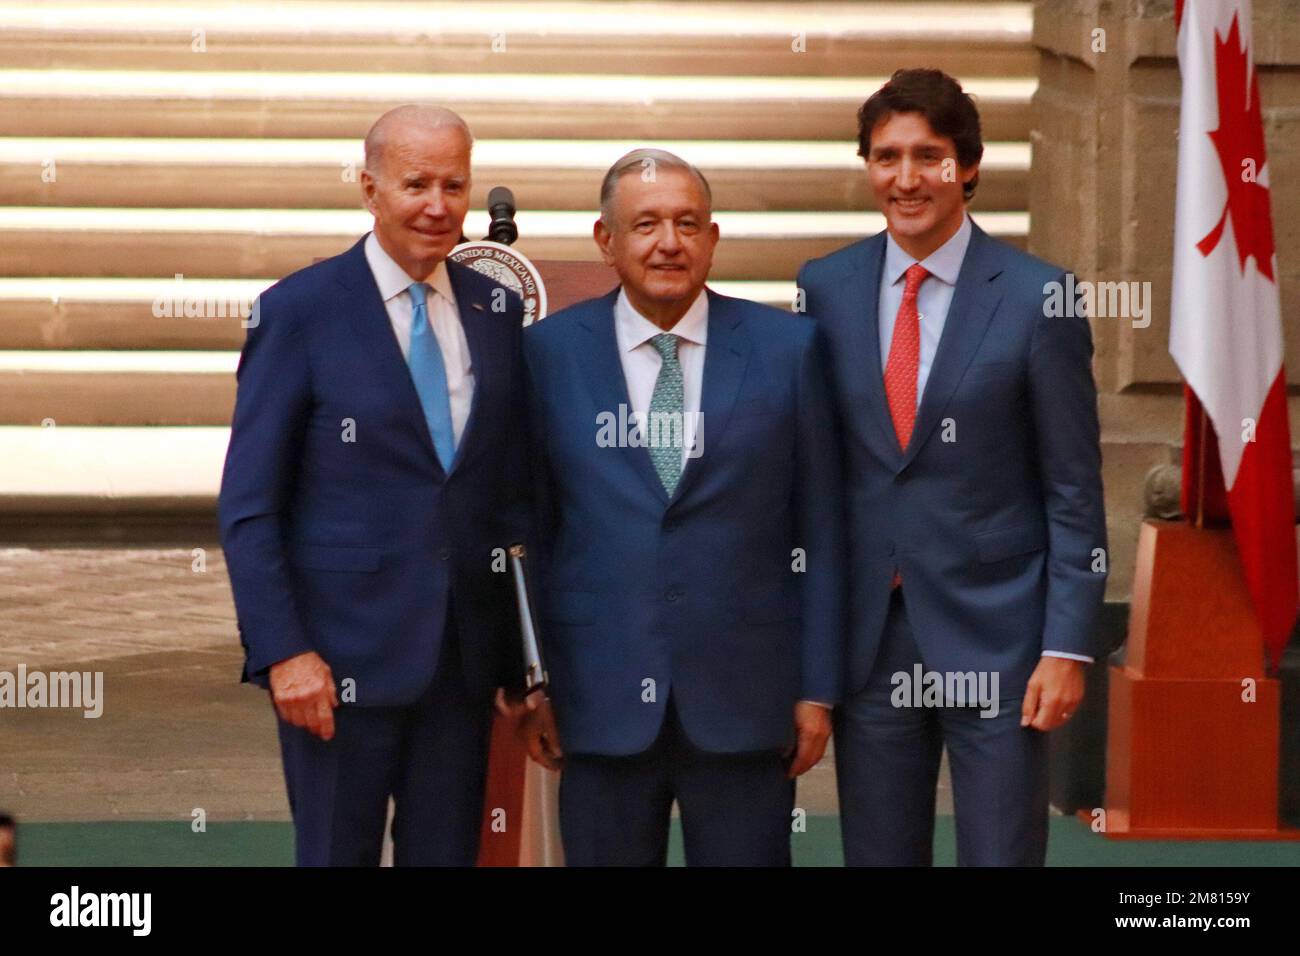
(444, 317)
(933, 299)
(642, 362)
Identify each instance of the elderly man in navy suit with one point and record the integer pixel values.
(977, 535)
(689, 509)
(373, 467)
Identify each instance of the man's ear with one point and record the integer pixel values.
(604, 241)
(368, 186)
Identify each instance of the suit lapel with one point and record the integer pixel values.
(473, 315)
(863, 286)
(375, 331)
(973, 302)
(726, 355)
(604, 375)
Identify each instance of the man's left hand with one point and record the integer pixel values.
(812, 725)
(1054, 693)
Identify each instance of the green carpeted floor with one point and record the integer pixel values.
(154, 843)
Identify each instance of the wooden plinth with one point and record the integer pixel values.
(500, 836)
(1193, 739)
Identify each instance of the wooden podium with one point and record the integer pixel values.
(1193, 742)
(519, 824)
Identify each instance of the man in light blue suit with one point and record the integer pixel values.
(690, 519)
(375, 463)
(977, 532)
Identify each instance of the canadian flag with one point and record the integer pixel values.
(1225, 327)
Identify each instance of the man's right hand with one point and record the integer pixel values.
(302, 689)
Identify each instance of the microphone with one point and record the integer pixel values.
(501, 207)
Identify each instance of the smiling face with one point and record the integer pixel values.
(907, 169)
(419, 194)
(659, 238)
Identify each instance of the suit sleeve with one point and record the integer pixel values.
(272, 404)
(820, 508)
(539, 489)
(532, 509)
(1063, 399)
(518, 523)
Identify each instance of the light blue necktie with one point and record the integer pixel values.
(429, 374)
(667, 401)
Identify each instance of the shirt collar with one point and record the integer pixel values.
(634, 329)
(944, 263)
(392, 279)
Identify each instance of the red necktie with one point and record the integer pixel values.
(904, 363)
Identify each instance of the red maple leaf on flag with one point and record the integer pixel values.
(1239, 138)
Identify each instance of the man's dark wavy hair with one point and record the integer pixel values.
(934, 94)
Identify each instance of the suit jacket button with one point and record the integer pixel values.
(889, 547)
(673, 594)
(445, 554)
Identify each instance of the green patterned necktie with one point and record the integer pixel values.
(667, 402)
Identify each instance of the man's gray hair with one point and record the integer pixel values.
(417, 113)
(640, 160)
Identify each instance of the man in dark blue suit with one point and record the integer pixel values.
(689, 503)
(373, 468)
(977, 534)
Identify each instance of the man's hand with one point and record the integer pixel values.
(509, 705)
(812, 725)
(1053, 695)
(537, 731)
(514, 706)
(302, 689)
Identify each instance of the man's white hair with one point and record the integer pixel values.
(641, 159)
(419, 114)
